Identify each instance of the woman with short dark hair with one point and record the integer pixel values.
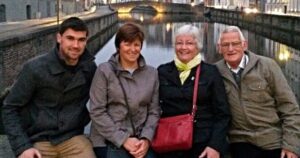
(124, 100)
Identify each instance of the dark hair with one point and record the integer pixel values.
(73, 23)
(129, 32)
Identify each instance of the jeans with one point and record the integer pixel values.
(112, 151)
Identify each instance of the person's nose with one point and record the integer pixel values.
(134, 48)
(230, 47)
(76, 43)
(184, 45)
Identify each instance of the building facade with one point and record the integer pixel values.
(16, 10)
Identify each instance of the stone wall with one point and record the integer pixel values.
(15, 50)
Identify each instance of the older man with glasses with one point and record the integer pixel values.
(265, 114)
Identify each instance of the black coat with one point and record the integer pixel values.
(212, 117)
(48, 101)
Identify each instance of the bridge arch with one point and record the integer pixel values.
(160, 7)
(145, 8)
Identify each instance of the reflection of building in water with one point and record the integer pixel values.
(211, 35)
(163, 34)
(288, 59)
(256, 44)
(157, 35)
(1, 72)
(292, 71)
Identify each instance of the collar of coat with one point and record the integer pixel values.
(225, 71)
(170, 70)
(117, 67)
(56, 67)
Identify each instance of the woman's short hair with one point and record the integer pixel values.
(190, 30)
(231, 29)
(129, 32)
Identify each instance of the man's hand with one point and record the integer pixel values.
(143, 146)
(287, 154)
(209, 153)
(30, 153)
(130, 144)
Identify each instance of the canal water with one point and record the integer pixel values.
(158, 48)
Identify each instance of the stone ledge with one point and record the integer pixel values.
(5, 149)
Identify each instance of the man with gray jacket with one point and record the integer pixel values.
(265, 114)
(45, 112)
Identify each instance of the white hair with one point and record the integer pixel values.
(232, 29)
(190, 30)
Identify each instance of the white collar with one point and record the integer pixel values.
(243, 63)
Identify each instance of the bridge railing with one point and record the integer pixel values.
(126, 1)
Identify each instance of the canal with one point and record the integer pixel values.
(158, 49)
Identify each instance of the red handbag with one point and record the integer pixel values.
(176, 132)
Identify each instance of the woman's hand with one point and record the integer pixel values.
(143, 146)
(209, 153)
(130, 144)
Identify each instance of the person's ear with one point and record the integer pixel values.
(245, 45)
(58, 37)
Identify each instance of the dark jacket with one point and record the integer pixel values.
(212, 116)
(43, 106)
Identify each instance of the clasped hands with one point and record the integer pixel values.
(137, 147)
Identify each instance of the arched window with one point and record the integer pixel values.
(2, 13)
(28, 11)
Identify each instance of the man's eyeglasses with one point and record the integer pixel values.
(233, 44)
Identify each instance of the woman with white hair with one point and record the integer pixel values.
(176, 96)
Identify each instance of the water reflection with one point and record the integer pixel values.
(158, 47)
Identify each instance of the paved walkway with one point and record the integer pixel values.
(5, 150)
(19, 28)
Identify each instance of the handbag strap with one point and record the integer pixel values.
(195, 93)
(126, 100)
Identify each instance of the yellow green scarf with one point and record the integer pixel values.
(185, 69)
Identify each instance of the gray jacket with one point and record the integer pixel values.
(264, 110)
(109, 113)
(43, 106)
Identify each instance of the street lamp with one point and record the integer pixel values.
(75, 7)
(57, 11)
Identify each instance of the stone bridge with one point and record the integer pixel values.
(159, 7)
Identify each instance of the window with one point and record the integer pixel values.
(2, 13)
(28, 11)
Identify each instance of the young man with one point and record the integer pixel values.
(265, 114)
(45, 112)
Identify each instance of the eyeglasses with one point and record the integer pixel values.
(233, 44)
(188, 44)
